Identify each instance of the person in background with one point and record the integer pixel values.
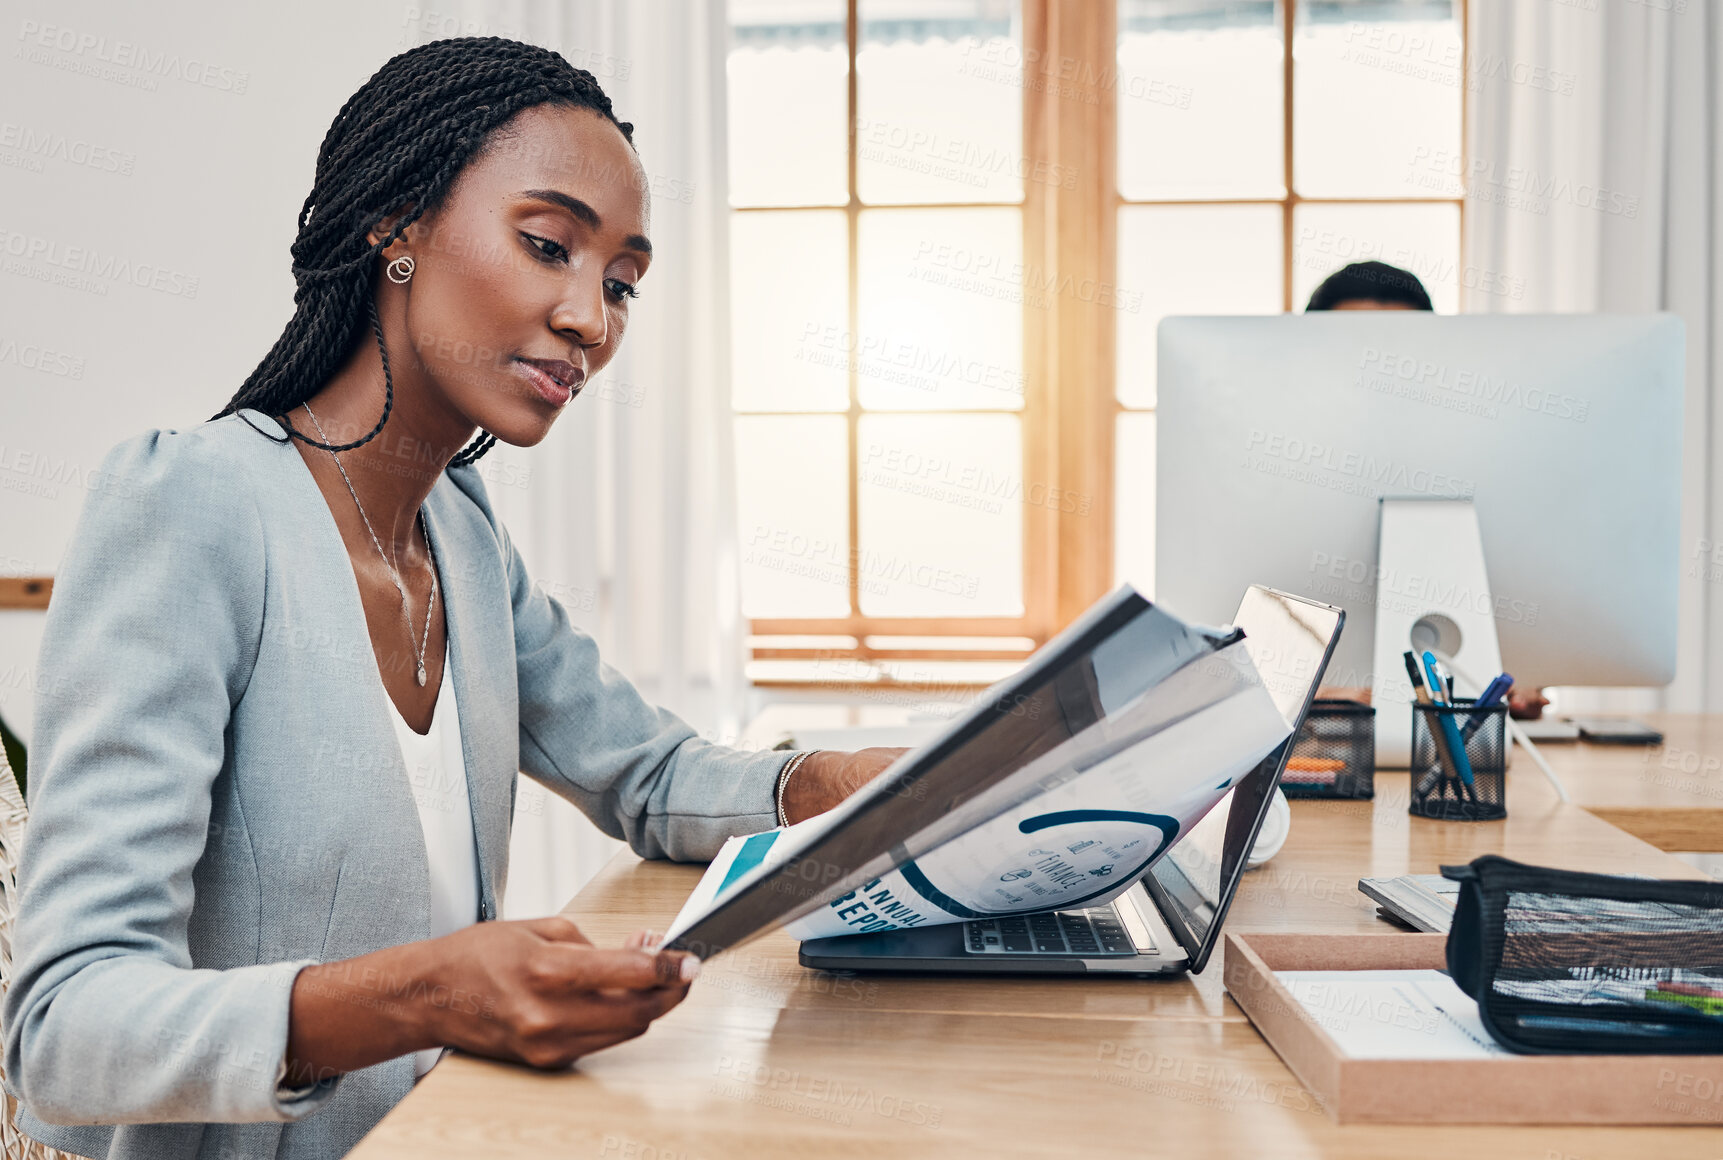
(1370, 286)
(1379, 286)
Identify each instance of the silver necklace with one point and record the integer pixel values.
(406, 611)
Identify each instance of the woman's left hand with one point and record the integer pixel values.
(827, 777)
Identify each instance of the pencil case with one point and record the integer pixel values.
(1334, 755)
(1564, 962)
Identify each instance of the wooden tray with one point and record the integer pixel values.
(1521, 1089)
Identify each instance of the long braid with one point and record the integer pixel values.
(397, 145)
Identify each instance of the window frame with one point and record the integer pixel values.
(1034, 625)
(1071, 407)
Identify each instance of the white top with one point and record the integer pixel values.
(437, 771)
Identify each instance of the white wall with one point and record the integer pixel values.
(165, 207)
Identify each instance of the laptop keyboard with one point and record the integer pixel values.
(1090, 933)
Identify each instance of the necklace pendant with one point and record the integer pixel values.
(421, 676)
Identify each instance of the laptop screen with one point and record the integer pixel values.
(1290, 640)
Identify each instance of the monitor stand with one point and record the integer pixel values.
(1432, 592)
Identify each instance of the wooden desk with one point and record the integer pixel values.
(767, 1059)
(1671, 795)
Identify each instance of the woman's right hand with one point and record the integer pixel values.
(542, 994)
(536, 992)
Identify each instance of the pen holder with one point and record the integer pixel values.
(1335, 753)
(1438, 791)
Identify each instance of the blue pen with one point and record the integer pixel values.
(1444, 763)
(1497, 689)
(1450, 731)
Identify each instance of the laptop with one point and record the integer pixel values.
(1169, 922)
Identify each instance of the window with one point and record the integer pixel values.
(955, 225)
(878, 331)
(1348, 152)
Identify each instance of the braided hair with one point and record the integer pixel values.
(403, 138)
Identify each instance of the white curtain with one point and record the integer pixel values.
(1592, 175)
(626, 512)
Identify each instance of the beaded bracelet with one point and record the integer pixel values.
(790, 767)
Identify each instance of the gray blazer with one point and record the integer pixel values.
(218, 798)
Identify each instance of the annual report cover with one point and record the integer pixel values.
(1156, 724)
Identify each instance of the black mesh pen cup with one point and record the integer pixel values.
(1335, 753)
(1439, 787)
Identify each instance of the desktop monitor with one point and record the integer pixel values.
(1278, 435)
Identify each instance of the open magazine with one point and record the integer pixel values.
(1147, 722)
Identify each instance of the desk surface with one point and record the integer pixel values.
(1670, 795)
(767, 1059)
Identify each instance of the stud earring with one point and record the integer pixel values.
(400, 271)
